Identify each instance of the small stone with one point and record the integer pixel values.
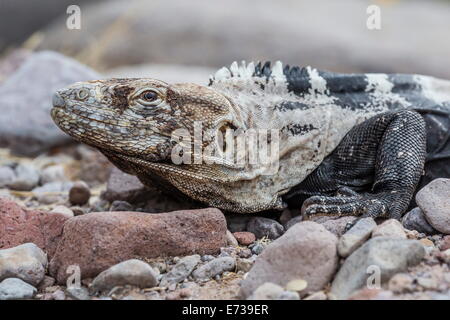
(337, 226)
(119, 205)
(185, 293)
(14, 289)
(77, 293)
(388, 255)
(52, 192)
(356, 236)
(131, 272)
(297, 285)
(231, 240)
(63, 210)
(258, 248)
(207, 258)
(427, 242)
(319, 295)
(45, 283)
(244, 265)
(401, 282)
(445, 243)
(181, 270)
(79, 194)
(77, 211)
(52, 174)
(415, 220)
(58, 295)
(306, 251)
(434, 201)
(123, 186)
(27, 177)
(266, 291)
(265, 227)
(214, 267)
(427, 283)
(7, 176)
(245, 238)
(26, 262)
(288, 295)
(390, 228)
(237, 222)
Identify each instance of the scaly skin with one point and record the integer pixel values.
(352, 144)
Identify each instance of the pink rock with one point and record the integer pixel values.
(99, 240)
(18, 226)
(244, 238)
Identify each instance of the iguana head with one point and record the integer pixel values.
(138, 117)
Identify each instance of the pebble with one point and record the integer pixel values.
(207, 257)
(319, 295)
(445, 243)
(181, 270)
(427, 242)
(7, 176)
(390, 255)
(63, 210)
(258, 248)
(337, 226)
(244, 238)
(77, 293)
(27, 177)
(119, 205)
(79, 194)
(356, 236)
(122, 186)
(46, 283)
(266, 291)
(27, 262)
(390, 228)
(306, 251)
(434, 201)
(52, 174)
(415, 220)
(131, 272)
(288, 295)
(237, 222)
(265, 227)
(52, 192)
(58, 295)
(401, 282)
(214, 267)
(427, 283)
(231, 240)
(15, 289)
(244, 264)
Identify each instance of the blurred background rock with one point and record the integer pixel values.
(152, 38)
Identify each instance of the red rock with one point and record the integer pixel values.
(445, 243)
(244, 238)
(18, 226)
(99, 240)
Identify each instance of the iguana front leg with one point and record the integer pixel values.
(373, 172)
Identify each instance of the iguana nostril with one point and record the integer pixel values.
(58, 101)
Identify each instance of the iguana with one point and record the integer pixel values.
(348, 144)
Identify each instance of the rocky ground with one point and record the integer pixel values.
(74, 227)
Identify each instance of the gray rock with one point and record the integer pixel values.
(181, 270)
(415, 220)
(52, 192)
(27, 262)
(214, 267)
(130, 272)
(390, 228)
(434, 201)
(27, 177)
(244, 264)
(26, 126)
(267, 291)
(15, 289)
(356, 236)
(257, 248)
(119, 205)
(337, 226)
(7, 176)
(289, 295)
(79, 194)
(124, 187)
(53, 173)
(78, 293)
(388, 255)
(231, 240)
(306, 251)
(265, 227)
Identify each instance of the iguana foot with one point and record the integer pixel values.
(352, 204)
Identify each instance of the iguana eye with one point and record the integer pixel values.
(149, 96)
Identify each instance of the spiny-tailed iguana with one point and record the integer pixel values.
(348, 144)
